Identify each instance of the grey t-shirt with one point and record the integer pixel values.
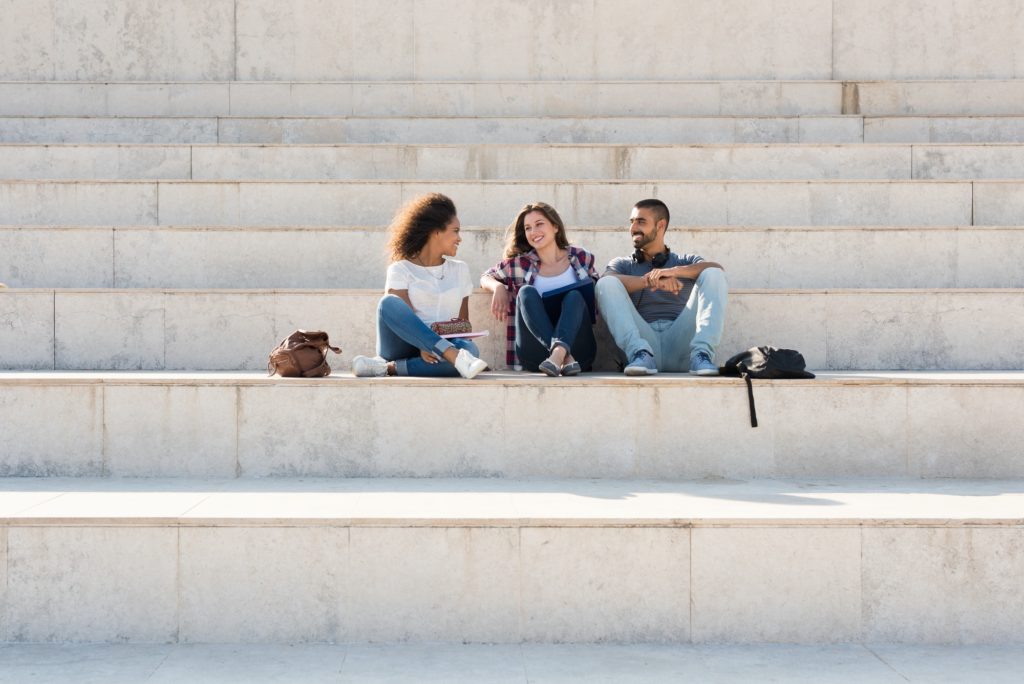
(656, 305)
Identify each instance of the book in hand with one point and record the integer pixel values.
(553, 298)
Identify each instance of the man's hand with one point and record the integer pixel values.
(499, 302)
(663, 279)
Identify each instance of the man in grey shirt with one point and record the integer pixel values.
(666, 311)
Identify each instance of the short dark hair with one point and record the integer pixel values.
(655, 205)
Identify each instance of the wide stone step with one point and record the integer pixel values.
(502, 561)
(282, 40)
(693, 203)
(402, 129)
(510, 663)
(553, 162)
(512, 98)
(665, 130)
(944, 129)
(245, 425)
(204, 257)
(137, 329)
(431, 98)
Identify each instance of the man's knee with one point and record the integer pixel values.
(610, 286)
(712, 277)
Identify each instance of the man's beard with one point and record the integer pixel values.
(643, 239)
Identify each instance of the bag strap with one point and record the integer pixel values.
(319, 346)
(750, 396)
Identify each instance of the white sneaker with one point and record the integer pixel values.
(369, 367)
(468, 365)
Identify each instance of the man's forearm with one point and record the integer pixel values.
(692, 271)
(632, 283)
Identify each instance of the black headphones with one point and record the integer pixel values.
(658, 261)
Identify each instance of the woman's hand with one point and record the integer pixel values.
(429, 357)
(499, 302)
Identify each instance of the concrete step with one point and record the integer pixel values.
(510, 663)
(501, 561)
(426, 130)
(693, 203)
(636, 130)
(434, 98)
(941, 98)
(944, 129)
(513, 98)
(530, 98)
(483, 162)
(489, 40)
(246, 425)
(141, 329)
(205, 257)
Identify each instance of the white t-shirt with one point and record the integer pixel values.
(549, 283)
(436, 292)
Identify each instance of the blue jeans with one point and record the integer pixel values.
(537, 335)
(672, 342)
(401, 335)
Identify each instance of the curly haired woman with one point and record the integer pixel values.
(424, 285)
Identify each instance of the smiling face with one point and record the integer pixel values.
(645, 228)
(447, 241)
(538, 230)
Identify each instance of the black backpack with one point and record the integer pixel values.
(768, 363)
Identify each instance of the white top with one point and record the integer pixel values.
(549, 283)
(436, 292)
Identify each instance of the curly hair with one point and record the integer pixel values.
(416, 221)
(518, 244)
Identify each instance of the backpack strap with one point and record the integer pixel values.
(750, 395)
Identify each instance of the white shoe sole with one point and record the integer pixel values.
(707, 372)
(637, 372)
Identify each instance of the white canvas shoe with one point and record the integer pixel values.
(468, 365)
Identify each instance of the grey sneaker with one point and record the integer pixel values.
(701, 364)
(369, 367)
(642, 363)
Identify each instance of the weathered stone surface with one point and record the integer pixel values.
(927, 39)
(109, 40)
(95, 584)
(26, 330)
(942, 585)
(612, 584)
(32, 446)
(320, 40)
(232, 579)
(776, 585)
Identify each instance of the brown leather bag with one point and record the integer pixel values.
(303, 354)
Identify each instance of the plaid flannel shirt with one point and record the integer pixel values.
(520, 270)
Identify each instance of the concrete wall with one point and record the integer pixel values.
(496, 39)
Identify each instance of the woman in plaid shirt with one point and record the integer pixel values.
(539, 259)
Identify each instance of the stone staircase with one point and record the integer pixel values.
(182, 185)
